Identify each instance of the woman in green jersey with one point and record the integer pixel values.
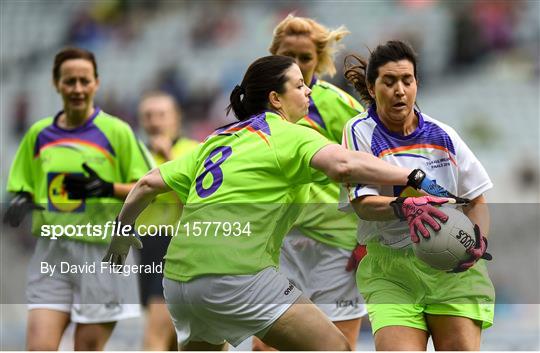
(238, 189)
(317, 250)
(76, 165)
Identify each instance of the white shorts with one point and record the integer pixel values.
(319, 271)
(215, 309)
(91, 294)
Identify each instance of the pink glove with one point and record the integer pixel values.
(356, 256)
(417, 211)
(477, 252)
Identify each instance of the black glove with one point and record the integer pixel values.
(21, 204)
(419, 181)
(82, 187)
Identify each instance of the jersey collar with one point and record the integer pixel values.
(89, 121)
(372, 112)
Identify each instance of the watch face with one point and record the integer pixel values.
(416, 177)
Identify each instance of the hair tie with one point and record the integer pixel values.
(240, 89)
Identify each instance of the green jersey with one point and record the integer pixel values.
(166, 208)
(239, 189)
(48, 152)
(179, 148)
(329, 110)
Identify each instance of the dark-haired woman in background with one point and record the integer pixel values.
(238, 189)
(73, 168)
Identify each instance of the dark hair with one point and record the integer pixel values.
(263, 76)
(72, 53)
(364, 73)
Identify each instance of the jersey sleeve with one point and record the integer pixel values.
(473, 179)
(296, 146)
(339, 110)
(22, 172)
(179, 173)
(354, 140)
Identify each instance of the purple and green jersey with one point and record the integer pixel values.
(242, 190)
(48, 152)
(329, 110)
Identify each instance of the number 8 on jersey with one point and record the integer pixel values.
(214, 169)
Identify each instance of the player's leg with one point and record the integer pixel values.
(335, 291)
(159, 333)
(387, 279)
(92, 337)
(350, 329)
(47, 322)
(304, 327)
(100, 298)
(45, 329)
(293, 250)
(400, 338)
(453, 333)
(159, 330)
(463, 305)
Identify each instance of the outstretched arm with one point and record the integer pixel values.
(346, 166)
(142, 194)
(355, 167)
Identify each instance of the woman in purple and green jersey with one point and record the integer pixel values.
(73, 169)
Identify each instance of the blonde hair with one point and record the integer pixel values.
(325, 40)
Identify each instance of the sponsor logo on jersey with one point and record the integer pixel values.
(57, 196)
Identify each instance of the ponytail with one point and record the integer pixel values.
(236, 105)
(263, 76)
(355, 73)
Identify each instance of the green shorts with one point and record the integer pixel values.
(400, 289)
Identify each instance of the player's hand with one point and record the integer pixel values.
(21, 204)
(477, 252)
(120, 244)
(161, 144)
(356, 256)
(419, 181)
(417, 211)
(82, 187)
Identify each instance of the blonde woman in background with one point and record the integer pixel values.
(316, 253)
